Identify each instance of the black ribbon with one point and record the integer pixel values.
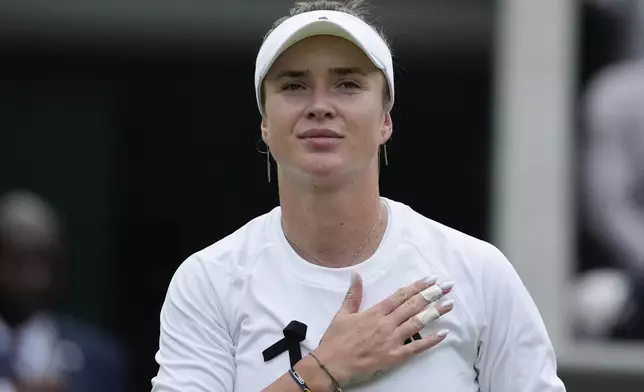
(294, 334)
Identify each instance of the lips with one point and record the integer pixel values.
(320, 133)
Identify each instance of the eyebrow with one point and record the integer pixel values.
(341, 71)
(348, 71)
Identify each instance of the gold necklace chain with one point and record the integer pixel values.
(355, 255)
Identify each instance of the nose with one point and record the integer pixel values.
(321, 107)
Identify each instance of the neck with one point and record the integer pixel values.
(328, 226)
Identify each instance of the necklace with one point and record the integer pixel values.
(355, 255)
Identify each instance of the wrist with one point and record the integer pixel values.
(332, 361)
(316, 379)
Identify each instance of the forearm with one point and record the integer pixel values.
(310, 371)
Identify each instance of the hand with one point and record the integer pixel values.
(357, 345)
(54, 385)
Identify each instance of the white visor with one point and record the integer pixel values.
(308, 24)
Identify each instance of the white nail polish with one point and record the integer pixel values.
(430, 280)
(431, 294)
(442, 333)
(428, 315)
(446, 285)
(447, 304)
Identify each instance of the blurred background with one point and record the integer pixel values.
(128, 141)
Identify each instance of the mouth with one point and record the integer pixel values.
(320, 134)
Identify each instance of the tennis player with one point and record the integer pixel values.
(339, 288)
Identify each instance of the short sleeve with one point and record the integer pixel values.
(515, 352)
(196, 351)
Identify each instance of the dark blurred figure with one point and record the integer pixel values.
(612, 296)
(40, 350)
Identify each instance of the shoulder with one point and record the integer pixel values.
(437, 238)
(211, 279)
(227, 258)
(483, 274)
(475, 265)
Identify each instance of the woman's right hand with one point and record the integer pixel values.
(358, 344)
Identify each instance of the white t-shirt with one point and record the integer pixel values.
(229, 302)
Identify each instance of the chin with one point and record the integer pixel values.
(321, 171)
(323, 166)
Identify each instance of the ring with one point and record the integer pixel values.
(401, 297)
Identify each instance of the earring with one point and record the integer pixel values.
(384, 148)
(268, 158)
(268, 164)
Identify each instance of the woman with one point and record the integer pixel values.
(267, 308)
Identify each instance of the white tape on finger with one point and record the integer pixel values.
(428, 315)
(432, 294)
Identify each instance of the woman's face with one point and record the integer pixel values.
(324, 112)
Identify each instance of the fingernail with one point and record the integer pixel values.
(442, 333)
(447, 304)
(354, 277)
(430, 280)
(446, 285)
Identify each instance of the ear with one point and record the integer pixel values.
(387, 128)
(264, 129)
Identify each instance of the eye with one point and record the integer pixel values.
(348, 84)
(292, 86)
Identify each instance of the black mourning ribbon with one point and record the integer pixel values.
(294, 334)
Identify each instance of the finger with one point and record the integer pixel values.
(436, 292)
(419, 302)
(421, 345)
(353, 298)
(403, 294)
(422, 319)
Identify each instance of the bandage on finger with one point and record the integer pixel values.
(435, 292)
(428, 315)
(432, 294)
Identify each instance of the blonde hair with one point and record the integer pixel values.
(357, 8)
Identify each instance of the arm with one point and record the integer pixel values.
(196, 350)
(310, 371)
(515, 353)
